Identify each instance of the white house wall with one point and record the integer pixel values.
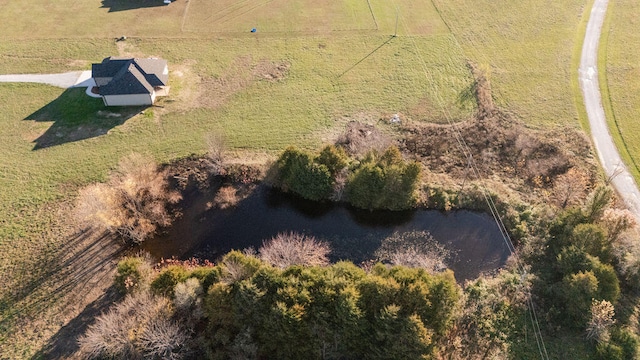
(127, 100)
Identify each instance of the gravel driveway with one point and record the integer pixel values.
(607, 152)
(63, 80)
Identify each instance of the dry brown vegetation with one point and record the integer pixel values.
(287, 249)
(359, 139)
(138, 327)
(559, 161)
(226, 197)
(499, 146)
(133, 203)
(416, 249)
(602, 318)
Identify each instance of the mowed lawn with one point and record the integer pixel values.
(619, 57)
(296, 83)
(278, 15)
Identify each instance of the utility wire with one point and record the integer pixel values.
(466, 150)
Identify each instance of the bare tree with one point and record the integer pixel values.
(569, 188)
(133, 203)
(602, 318)
(162, 338)
(215, 153)
(617, 221)
(417, 249)
(287, 249)
(140, 326)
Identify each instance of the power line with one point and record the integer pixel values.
(466, 150)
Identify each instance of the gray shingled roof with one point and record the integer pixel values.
(130, 76)
(127, 81)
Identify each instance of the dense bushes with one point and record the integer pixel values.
(247, 308)
(300, 174)
(578, 284)
(330, 312)
(384, 182)
(377, 181)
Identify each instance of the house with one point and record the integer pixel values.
(130, 81)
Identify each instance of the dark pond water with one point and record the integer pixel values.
(473, 239)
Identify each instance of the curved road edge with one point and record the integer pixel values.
(608, 154)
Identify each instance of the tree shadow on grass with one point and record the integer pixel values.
(64, 344)
(123, 5)
(76, 116)
(85, 269)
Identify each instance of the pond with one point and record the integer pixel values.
(473, 239)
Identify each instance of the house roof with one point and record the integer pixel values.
(130, 76)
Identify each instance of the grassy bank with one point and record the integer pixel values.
(619, 69)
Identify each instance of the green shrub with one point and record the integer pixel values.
(365, 186)
(627, 341)
(298, 173)
(208, 275)
(384, 182)
(608, 351)
(592, 239)
(438, 198)
(334, 158)
(168, 278)
(132, 274)
(608, 284)
(578, 290)
(236, 266)
(623, 344)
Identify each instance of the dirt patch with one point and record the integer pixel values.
(271, 71)
(360, 138)
(500, 147)
(216, 91)
(189, 171)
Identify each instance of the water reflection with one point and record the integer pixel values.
(473, 239)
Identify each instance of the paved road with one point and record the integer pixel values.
(607, 152)
(64, 80)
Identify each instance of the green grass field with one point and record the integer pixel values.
(528, 46)
(621, 85)
(341, 63)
